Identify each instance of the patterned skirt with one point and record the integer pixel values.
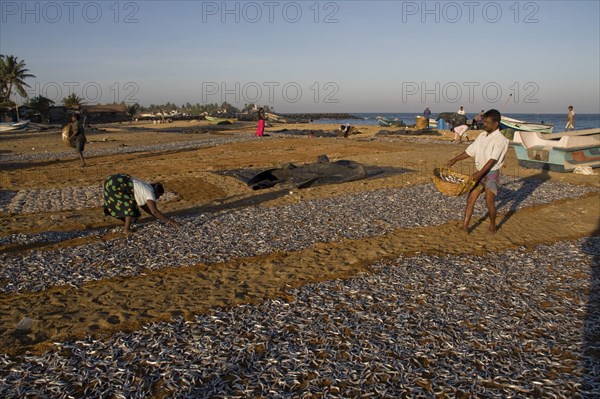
(119, 200)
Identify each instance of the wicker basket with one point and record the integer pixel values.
(451, 183)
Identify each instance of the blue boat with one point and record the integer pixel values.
(558, 152)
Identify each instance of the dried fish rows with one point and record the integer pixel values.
(514, 324)
(253, 231)
(60, 199)
(202, 142)
(127, 149)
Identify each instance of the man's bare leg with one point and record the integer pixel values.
(490, 201)
(471, 199)
(82, 159)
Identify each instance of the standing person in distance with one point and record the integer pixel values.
(427, 115)
(77, 136)
(260, 128)
(570, 119)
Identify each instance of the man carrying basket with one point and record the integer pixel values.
(489, 150)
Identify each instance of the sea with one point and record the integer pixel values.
(582, 121)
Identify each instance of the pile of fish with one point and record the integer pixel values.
(451, 178)
(516, 324)
(521, 323)
(252, 231)
(60, 199)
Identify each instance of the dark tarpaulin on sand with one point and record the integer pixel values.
(320, 173)
(452, 118)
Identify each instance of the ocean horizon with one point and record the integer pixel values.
(582, 121)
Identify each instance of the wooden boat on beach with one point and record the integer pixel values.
(515, 124)
(281, 119)
(11, 126)
(558, 152)
(382, 121)
(220, 121)
(275, 118)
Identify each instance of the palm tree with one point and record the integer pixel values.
(41, 105)
(12, 76)
(73, 101)
(132, 110)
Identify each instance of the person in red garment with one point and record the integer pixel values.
(260, 128)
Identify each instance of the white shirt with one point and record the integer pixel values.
(142, 191)
(488, 146)
(461, 112)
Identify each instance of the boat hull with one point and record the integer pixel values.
(280, 119)
(381, 121)
(220, 121)
(12, 126)
(508, 123)
(558, 152)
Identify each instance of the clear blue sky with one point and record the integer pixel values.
(309, 56)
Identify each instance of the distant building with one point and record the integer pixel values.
(26, 112)
(105, 113)
(59, 114)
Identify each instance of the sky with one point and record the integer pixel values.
(313, 56)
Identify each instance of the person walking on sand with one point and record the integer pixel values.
(77, 136)
(125, 194)
(489, 150)
(460, 132)
(260, 128)
(570, 119)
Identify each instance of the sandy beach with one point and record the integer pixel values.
(241, 248)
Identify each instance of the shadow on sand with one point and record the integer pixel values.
(227, 205)
(513, 198)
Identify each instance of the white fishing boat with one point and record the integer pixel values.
(281, 119)
(10, 126)
(220, 121)
(558, 152)
(275, 118)
(18, 125)
(516, 124)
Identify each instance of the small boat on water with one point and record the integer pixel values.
(11, 126)
(515, 124)
(558, 152)
(220, 121)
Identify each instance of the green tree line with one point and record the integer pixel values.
(13, 73)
